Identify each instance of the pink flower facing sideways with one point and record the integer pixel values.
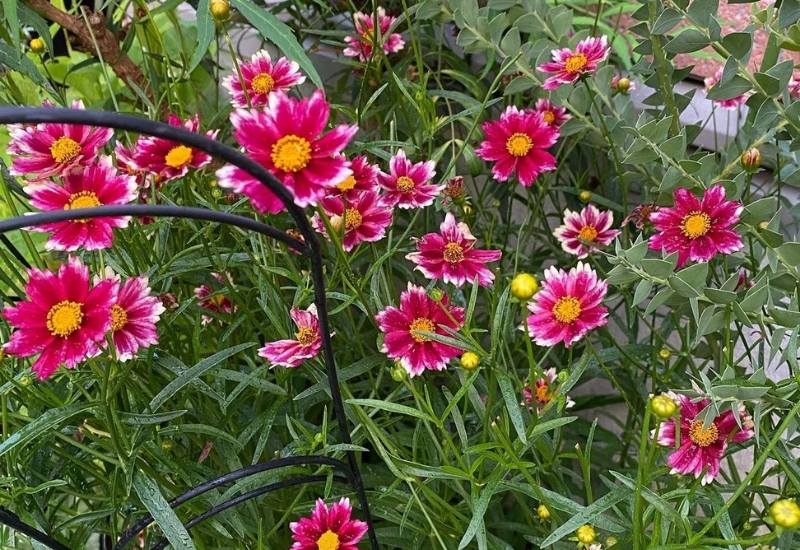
(408, 185)
(701, 447)
(168, 160)
(552, 114)
(216, 301)
(44, 150)
(64, 318)
(362, 217)
(305, 345)
(517, 144)
(83, 187)
(568, 306)
(730, 104)
(697, 229)
(361, 45)
(403, 329)
(286, 138)
(133, 318)
(328, 528)
(261, 77)
(585, 230)
(451, 256)
(568, 65)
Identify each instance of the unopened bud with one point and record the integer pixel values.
(470, 360)
(585, 196)
(751, 159)
(663, 406)
(37, 46)
(523, 286)
(220, 10)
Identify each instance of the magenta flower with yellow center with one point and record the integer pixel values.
(305, 345)
(361, 44)
(408, 184)
(586, 230)
(361, 217)
(133, 318)
(568, 65)
(261, 76)
(328, 528)
(552, 114)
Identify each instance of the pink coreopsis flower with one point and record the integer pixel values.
(364, 177)
(403, 330)
(328, 528)
(261, 77)
(305, 345)
(568, 66)
(216, 301)
(168, 160)
(286, 138)
(451, 256)
(64, 318)
(732, 103)
(363, 216)
(98, 184)
(361, 45)
(552, 114)
(40, 151)
(568, 306)
(409, 185)
(585, 230)
(697, 229)
(134, 317)
(701, 447)
(517, 143)
(543, 392)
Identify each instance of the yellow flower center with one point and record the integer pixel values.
(696, 224)
(305, 336)
(64, 149)
(328, 541)
(405, 184)
(453, 253)
(179, 156)
(549, 117)
(703, 436)
(346, 184)
(217, 300)
(291, 153)
(587, 233)
(567, 309)
(575, 63)
(352, 219)
(262, 83)
(543, 393)
(519, 144)
(119, 318)
(64, 318)
(82, 199)
(421, 324)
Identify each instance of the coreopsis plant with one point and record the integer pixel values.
(560, 247)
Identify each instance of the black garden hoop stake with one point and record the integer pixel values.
(350, 473)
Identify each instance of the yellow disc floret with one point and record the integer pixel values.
(291, 153)
(64, 318)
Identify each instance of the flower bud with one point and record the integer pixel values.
(751, 159)
(543, 512)
(663, 406)
(318, 438)
(585, 196)
(398, 372)
(523, 286)
(166, 445)
(220, 10)
(436, 294)
(623, 85)
(470, 360)
(586, 534)
(37, 46)
(611, 541)
(337, 223)
(25, 380)
(785, 513)
(664, 353)
(763, 225)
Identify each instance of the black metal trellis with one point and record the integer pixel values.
(310, 249)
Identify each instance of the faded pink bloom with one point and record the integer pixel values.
(552, 114)
(328, 528)
(262, 77)
(403, 329)
(408, 185)
(361, 45)
(64, 319)
(216, 301)
(517, 143)
(40, 151)
(98, 184)
(732, 103)
(697, 230)
(134, 317)
(701, 447)
(286, 138)
(568, 306)
(451, 256)
(305, 345)
(568, 66)
(586, 230)
(543, 392)
(363, 216)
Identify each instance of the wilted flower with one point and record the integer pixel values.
(542, 392)
(361, 45)
(640, 215)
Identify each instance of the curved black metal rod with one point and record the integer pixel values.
(219, 508)
(11, 519)
(157, 210)
(229, 478)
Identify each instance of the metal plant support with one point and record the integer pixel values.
(349, 471)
